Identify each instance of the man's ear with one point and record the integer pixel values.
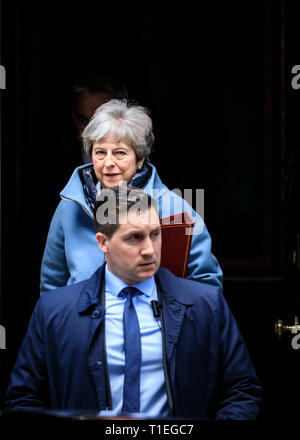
(102, 242)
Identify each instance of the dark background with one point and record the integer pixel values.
(217, 80)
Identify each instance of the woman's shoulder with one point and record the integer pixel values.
(75, 182)
(173, 201)
(74, 191)
(155, 182)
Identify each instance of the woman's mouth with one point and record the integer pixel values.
(110, 175)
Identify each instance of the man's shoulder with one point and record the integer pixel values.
(186, 290)
(72, 292)
(63, 295)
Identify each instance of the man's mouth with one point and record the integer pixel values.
(148, 264)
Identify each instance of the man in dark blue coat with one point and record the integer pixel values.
(134, 338)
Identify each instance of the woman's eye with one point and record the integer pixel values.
(121, 153)
(99, 152)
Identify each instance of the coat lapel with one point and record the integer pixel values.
(173, 314)
(174, 305)
(173, 309)
(90, 303)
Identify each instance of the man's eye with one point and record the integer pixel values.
(134, 237)
(155, 234)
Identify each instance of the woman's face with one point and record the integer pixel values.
(114, 162)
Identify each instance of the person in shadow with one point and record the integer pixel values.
(88, 94)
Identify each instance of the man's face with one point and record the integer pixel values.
(85, 107)
(134, 250)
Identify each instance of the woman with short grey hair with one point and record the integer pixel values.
(119, 139)
(125, 121)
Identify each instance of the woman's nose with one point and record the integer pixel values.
(109, 160)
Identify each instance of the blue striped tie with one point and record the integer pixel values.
(133, 356)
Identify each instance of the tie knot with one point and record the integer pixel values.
(129, 292)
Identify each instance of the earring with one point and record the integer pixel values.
(139, 167)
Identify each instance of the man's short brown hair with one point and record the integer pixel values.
(113, 202)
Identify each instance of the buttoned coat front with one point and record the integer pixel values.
(61, 363)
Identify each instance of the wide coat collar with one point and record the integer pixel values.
(174, 303)
(169, 285)
(74, 188)
(173, 297)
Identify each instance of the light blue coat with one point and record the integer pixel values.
(72, 253)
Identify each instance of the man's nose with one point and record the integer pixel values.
(148, 248)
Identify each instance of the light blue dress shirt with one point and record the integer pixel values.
(153, 397)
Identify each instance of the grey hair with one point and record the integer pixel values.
(126, 121)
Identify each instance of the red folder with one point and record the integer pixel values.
(177, 232)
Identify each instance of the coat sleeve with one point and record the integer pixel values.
(54, 269)
(28, 387)
(203, 265)
(240, 391)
